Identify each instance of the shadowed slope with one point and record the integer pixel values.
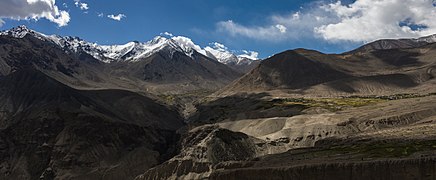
(51, 130)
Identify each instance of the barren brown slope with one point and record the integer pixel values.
(310, 72)
(290, 69)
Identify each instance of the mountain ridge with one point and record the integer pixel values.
(385, 44)
(134, 50)
(363, 71)
(80, 69)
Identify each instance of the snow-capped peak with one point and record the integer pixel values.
(135, 51)
(22, 31)
(17, 32)
(187, 45)
(222, 54)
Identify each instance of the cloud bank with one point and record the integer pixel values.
(33, 9)
(360, 21)
(366, 20)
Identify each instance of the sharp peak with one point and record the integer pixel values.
(20, 32)
(159, 38)
(21, 27)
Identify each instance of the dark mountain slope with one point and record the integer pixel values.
(49, 129)
(168, 71)
(77, 70)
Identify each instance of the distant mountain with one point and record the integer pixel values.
(243, 63)
(386, 66)
(385, 44)
(289, 69)
(135, 51)
(161, 65)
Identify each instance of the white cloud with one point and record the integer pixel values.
(281, 28)
(361, 21)
(84, 6)
(33, 9)
(116, 17)
(100, 14)
(250, 54)
(257, 32)
(367, 20)
(296, 25)
(167, 34)
(219, 46)
(81, 5)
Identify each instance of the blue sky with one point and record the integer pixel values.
(267, 27)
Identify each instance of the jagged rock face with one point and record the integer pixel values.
(203, 148)
(50, 130)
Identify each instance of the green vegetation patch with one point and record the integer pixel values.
(332, 104)
(336, 104)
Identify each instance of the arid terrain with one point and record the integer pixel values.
(70, 111)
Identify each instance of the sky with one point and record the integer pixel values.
(267, 27)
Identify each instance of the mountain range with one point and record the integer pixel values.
(159, 65)
(169, 109)
(136, 51)
(380, 67)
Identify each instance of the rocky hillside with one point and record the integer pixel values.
(49, 130)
